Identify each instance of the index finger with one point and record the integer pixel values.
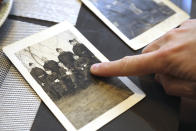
(129, 66)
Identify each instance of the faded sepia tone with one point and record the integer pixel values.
(133, 17)
(61, 66)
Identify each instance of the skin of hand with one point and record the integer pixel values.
(172, 58)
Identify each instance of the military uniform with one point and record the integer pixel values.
(67, 58)
(52, 66)
(38, 74)
(65, 84)
(86, 59)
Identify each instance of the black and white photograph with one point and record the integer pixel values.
(60, 65)
(131, 18)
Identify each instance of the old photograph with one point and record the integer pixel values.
(56, 64)
(61, 65)
(137, 22)
(133, 17)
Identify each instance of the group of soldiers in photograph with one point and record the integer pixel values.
(70, 73)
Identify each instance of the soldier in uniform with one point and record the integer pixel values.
(38, 74)
(65, 76)
(41, 76)
(66, 57)
(60, 79)
(57, 87)
(68, 60)
(86, 59)
(82, 51)
(51, 65)
(50, 82)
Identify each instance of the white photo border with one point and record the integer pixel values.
(150, 35)
(98, 122)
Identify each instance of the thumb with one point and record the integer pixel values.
(131, 65)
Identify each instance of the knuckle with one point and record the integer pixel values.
(171, 34)
(151, 47)
(181, 30)
(190, 91)
(124, 61)
(168, 91)
(189, 21)
(164, 59)
(167, 86)
(186, 22)
(145, 50)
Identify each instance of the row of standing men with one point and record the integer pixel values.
(69, 74)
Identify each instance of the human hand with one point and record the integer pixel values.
(172, 58)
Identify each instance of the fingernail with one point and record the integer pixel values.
(94, 67)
